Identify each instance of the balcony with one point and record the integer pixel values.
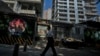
(62, 12)
(91, 14)
(62, 8)
(79, 2)
(72, 13)
(89, 5)
(62, 17)
(71, 2)
(71, 5)
(27, 11)
(72, 9)
(81, 19)
(61, 0)
(80, 10)
(93, 2)
(61, 4)
(81, 14)
(94, 10)
(80, 6)
(72, 18)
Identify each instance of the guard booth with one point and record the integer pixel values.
(16, 28)
(61, 29)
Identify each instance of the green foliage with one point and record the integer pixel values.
(92, 34)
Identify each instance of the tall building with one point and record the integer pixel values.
(47, 14)
(27, 7)
(74, 11)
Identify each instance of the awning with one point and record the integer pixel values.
(62, 24)
(92, 24)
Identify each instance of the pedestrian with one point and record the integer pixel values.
(49, 36)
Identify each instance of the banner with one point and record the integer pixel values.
(16, 29)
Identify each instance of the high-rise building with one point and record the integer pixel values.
(74, 11)
(47, 14)
(27, 7)
(98, 18)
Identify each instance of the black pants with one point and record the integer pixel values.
(50, 44)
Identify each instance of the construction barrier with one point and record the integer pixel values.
(12, 40)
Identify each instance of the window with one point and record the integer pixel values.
(88, 9)
(72, 11)
(62, 3)
(80, 21)
(62, 0)
(62, 10)
(11, 0)
(79, 0)
(80, 12)
(71, 0)
(63, 15)
(27, 7)
(71, 7)
(72, 20)
(62, 6)
(72, 16)
(89, 17)
(65, 19)
(79, 4)
(81, 16)
(71, 3)
(80, 8)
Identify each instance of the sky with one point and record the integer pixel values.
(48, 4)
(98, 8)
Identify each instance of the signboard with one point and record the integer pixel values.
(17, 26)
(42, 31)
(16, 29)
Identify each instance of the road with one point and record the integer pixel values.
(7, 50)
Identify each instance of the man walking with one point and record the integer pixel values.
(50, 43)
